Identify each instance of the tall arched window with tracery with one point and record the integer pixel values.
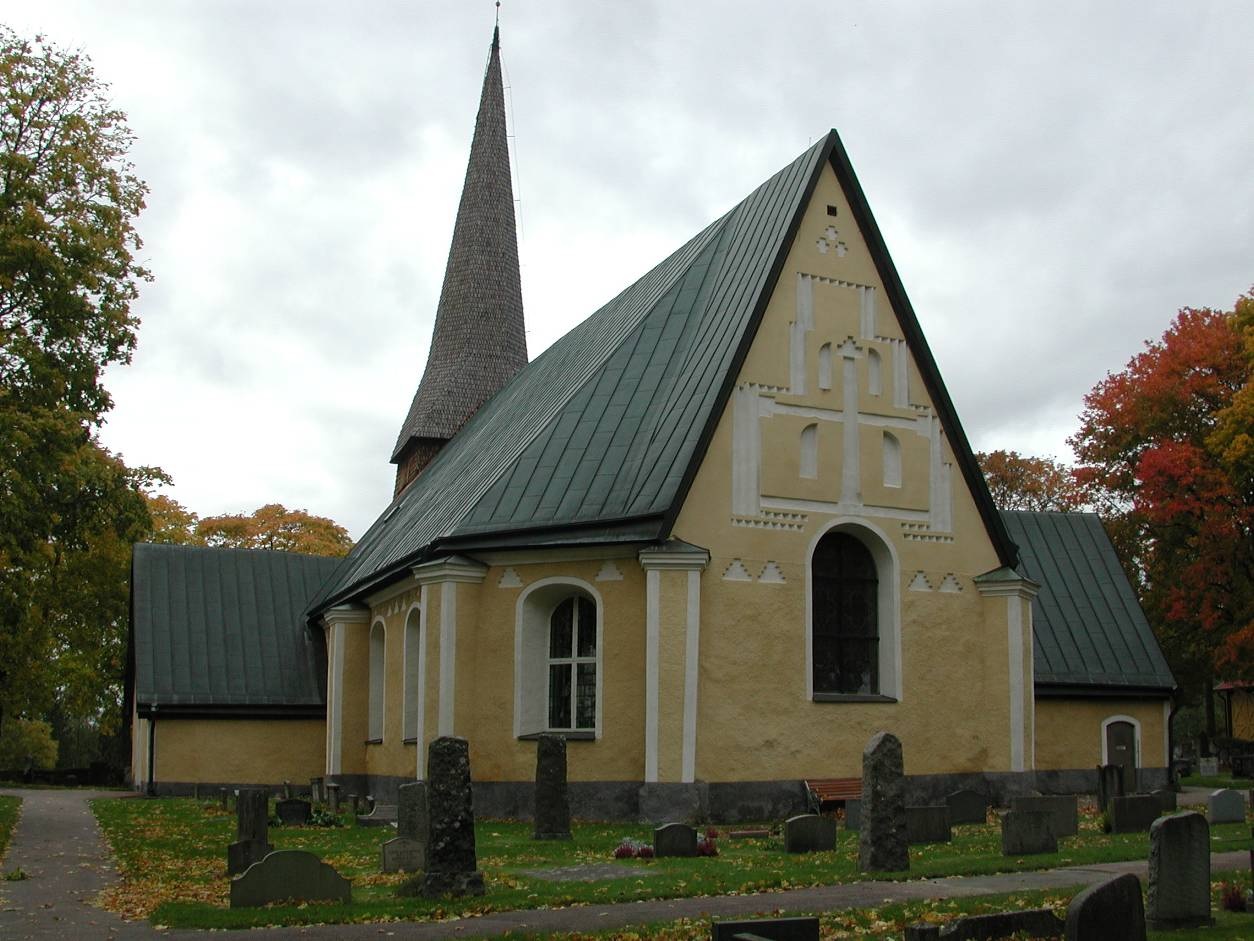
(845, 588)
(572, 699)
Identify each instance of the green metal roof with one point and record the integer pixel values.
(223, 627)
(1089, 628)
(599, 438)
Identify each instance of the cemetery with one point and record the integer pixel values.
(252, 863)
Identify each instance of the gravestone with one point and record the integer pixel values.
(315, 790)
(452, 865)
(552, 804)
(1028, 832)
(1064, 808)
(1134, 813)
(252, 817)
(967, 806)
(1225, 806)
(773, 929)
(293, 812)
(1167, 799)
(1109, 785)
(289, 874)
(1208, 767)
(882, 845)
(407, 852)
(225, 796)
(287, 791)
(674, 839)
(333, 797)
(809, 833)
(1108, 911)
(1179, 872)
(853, 815)
(354, 802)
(928, 824)
(1034, 923)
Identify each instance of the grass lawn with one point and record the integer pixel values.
(1217, 781)
(172, 855)
(8, 820)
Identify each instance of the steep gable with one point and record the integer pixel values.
(599, 439)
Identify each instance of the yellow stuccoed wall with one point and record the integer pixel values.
(755, 720)
(235, 751)
(1069, 731)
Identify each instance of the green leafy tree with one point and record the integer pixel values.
(1023, 482)
(68, 201)
(25, 744)
(274, 526)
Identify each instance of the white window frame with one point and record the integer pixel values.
(533, 611)
(888, 604)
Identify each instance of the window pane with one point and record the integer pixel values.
(586, 697)
(560, 629)
(559, 696)
(587, 628)
(845, 624)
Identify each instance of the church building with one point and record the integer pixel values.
(718, 535)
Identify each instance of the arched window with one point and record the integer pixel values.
(558, 673)
(845, 589)
(414, 661)
(377, 666)
(892, 460)
(874, 373)
(572, 695)
(810, 451)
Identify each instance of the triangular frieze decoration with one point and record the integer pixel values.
(509, 579)
(919, 583)
(736, 572)
(950, 584)
(609, 572)
(771, 574)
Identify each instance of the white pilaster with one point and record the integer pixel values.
(448, 573)
(652, 627)
(851, 470)
(337, 622)
(1018, 592)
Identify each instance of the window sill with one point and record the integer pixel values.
(582, 735)
(409, 741)
(851, 697)
(374, 741)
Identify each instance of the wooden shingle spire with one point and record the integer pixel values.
(479, 342)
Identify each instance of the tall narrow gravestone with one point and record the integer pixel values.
(552, 806)
(1179, 872)
(1109, 785)
(452, 865)
(252, 817)
(408, 851)
(882, 845)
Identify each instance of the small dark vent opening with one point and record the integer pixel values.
(831, 210)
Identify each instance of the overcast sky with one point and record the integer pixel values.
(1053, 181)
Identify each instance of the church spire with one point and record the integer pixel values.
(478, 342)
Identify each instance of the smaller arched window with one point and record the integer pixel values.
(825, 366)
(378, 662)
(874, 373)
(414, 660)
(892, 460)
(810, 451)
(572, 698)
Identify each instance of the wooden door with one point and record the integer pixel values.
(1121, 751)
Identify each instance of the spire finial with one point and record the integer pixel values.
(496, 32)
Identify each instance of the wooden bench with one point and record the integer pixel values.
(823, 791)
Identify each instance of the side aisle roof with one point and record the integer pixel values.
(221, 631)
(599, 438)
(1088, 627)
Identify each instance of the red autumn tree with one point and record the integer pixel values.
(1023, 482)
(1164, 449)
